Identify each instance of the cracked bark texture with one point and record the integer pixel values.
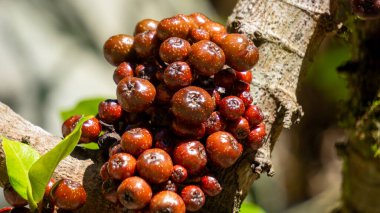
(287, 33)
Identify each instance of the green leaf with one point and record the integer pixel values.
(32, 203)
(84, 107)
(19, 158)
(91, 146)
(41, 171)
(250, 208)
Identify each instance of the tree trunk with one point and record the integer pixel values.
(287, 33)
(361, 174)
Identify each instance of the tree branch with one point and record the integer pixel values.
(81, 166)
(287, 33)
(361, 174)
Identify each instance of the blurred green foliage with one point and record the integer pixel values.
(322, 73)
(248, 207)
(88, 106)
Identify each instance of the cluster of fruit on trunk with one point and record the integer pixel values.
(183, 109)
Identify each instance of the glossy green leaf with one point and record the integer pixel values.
(32, 203)
(84, 107)
(91, 146)
(250, 208)
(19, 158)
(41, 171)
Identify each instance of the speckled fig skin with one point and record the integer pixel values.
(136, 140)
(213, 28)
(172, 27)
(134, 193)
(69, 124)
(254, 115)
(241, 53)
(218, 38)
(68, 195)
(155, 165)
(188, 20)
(231, 107)
(223, 149)
(167, 201)
(174, 49)
(123, 70)
(245, 76)
(198, 18)
(110, 111)
(192, 105)
(191, 155)
(90, 129)
(145, 25)
(189, 131)
(146, 44)
(193, 197)
(121, 165)
(246, 97)
(239, 128)
(177, 75)
(256, 136)
(179, 174)
(206, 57)
(135, 94)
(198, 34)
(215, 123)
(118, 49)
(210, 185)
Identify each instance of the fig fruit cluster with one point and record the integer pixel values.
(183, 110)
(64, 195)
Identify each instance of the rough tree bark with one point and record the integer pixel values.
(287, 32)
(361, 174)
